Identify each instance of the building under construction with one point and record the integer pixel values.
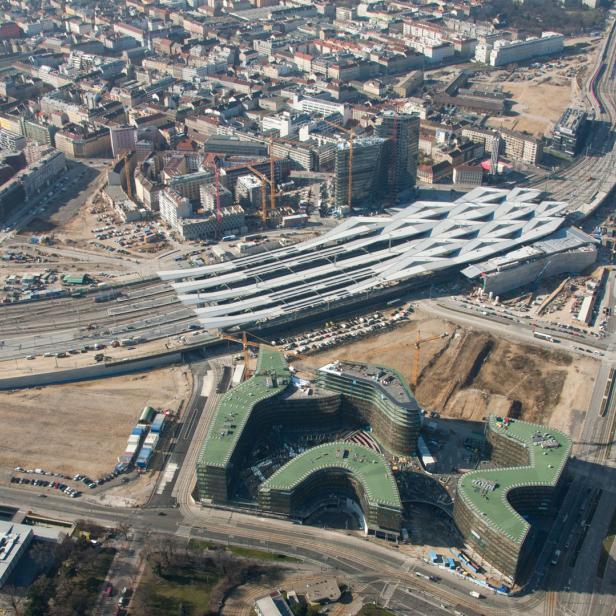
(369, 177)
(402, 131)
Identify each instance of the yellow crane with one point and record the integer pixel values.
(351, 135)
(264, 182)
(246, 345)
(418, 342)
(272, 175)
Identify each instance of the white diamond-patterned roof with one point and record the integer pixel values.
(364, 253)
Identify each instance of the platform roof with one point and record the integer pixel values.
(545, 468)
(364, 254)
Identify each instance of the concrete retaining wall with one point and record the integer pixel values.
(96, 371)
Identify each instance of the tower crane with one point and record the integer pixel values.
(264, 182)
(246, 345)
(418, 342)
(272, 175)
(351, 134)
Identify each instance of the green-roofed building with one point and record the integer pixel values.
(346, 469)
(380, 397)
(234, 411)
(76, 279)
(490, 503)
(346, 394)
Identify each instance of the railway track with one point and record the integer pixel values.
(70, 314)
(80, 320)
(598, 92)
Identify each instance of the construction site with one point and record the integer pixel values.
(462, 373)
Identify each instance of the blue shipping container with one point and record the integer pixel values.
(159, 423)
(144, 457)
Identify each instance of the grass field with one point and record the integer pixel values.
(186, 590)
(198, 544)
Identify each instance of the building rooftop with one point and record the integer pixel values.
(367, 466)
(271, 377)
(13, 539)
(485, 490)
(388, 380)
(571, 120)
(365, 254)
(562, 240)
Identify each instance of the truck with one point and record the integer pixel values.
(475, 594)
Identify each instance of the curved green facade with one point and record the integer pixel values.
(490, 502)
(317, 470)
(380, 397)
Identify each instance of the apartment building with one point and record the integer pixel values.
(514, 145)
(521, 147)
(11, 141)
(507, 52)
(123, 139)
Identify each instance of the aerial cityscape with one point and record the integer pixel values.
(307, 307)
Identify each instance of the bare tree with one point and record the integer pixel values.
(123, 529)
(14, 598)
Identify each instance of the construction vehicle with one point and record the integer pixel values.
(418, 342)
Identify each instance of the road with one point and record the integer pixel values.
(386, 574)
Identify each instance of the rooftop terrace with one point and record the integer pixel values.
(366, 465)
(485, 491)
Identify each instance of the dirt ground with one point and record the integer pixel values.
(537, 105)
(468, 374)
(82, 427)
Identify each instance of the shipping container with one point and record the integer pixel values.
(134, 438)
(131, 447)
(138, 430)
(147, 415)
(151, 440)
(144, 458)
(158, 425)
